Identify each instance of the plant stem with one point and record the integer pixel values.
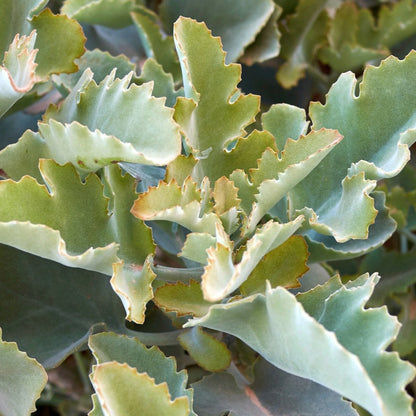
(157, 338)
(323, 80)
(238, 375)
(404, 246)
(174, 274)
(83, 372)
(408, 234)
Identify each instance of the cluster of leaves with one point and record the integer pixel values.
(173, 240)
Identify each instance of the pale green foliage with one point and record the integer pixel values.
(300, 41)
(153, 377)
(113, 13)
(114, 383)
(133, 283)
(209, 353)
(209, 210)
(130, 110)
(275, 320)
(222, 277)
(236, 38)
(21, 381)
(17, 74)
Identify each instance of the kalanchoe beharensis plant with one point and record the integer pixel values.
(214, 219)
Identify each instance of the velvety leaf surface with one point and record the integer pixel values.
(22, 157)
(196, 246)
(101, 64)
(398, 273)
(212, 115)
(127, 112)
(244, 155)
(282, 266)
(378, 328)
(236, 22)
(358, 35)
(109, 347)
(277, 175)
(221, 276)
(267, 43)
(114, 384)
(17, 74)
(134, 237)
(96, 410)
(88, 150)
(164, 85)
(324, 247)
(273, 393)
(13, 17)
(83, 240)
(285, 121)
(349, 30)
(396, 22)
(180, 169)
(208, 352)
(50, 310)
(68, 143)
(133, 284)
(184, 299)
(21, 382)
(112, 13)
(156, 44)
(278, 327)
(299, 40)
(60, 40)
(179, 204)
(376, 142)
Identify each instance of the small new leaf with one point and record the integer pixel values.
(208, 352)
(179, 204)
(222, 276)
(133, 284)
(184, 299)
(282, 266)
(17, 74)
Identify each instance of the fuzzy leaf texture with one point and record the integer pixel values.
(236, 38)
(321, 326)
(182, 205)
(112, 13)
(300, 40)
(17, 74)
(378, 126)
(148, 369)
(114, 384)
(221, 276)
(21, 382)
(210, 116)
(59, 40)
(87, 239)
(125, 118)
